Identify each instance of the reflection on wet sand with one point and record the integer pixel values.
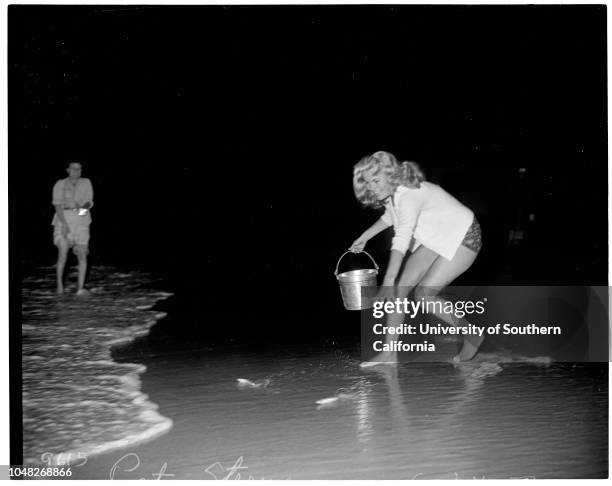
(420, 419)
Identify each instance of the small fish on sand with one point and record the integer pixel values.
(337, 398)
(327, 401)
(244, 383)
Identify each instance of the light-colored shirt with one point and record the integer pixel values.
(68, 195)
(430, 216)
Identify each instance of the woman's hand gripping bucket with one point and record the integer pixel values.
(351, 283)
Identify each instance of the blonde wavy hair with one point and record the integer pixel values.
(408, 174)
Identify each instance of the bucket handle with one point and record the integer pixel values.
(346, 252)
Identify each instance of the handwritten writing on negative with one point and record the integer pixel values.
(129, 463)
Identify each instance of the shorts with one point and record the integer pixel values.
(78, 227)
(473, 237)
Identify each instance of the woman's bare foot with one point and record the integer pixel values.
(82, 292)
(384, 358)
(60, 289)
(469, 349)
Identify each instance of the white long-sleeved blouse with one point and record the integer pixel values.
(430, 215)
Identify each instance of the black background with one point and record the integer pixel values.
(220, 140)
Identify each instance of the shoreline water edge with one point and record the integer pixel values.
(77, 401)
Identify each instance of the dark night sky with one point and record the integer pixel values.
(220, 140)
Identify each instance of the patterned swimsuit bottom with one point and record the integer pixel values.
(473, 237)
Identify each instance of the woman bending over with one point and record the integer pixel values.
(442, 234)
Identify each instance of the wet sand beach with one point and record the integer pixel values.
(497, 417)
(77, 401)
(112, 397)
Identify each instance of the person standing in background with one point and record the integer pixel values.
(72, 199)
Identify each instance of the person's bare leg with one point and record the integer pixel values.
(82, 257)
(415, 267)
(441, 274)
(387, 357)
(62, 255)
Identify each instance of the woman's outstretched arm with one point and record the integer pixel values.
(360, 243)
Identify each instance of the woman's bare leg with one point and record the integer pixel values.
(415, 268)
(441, 273)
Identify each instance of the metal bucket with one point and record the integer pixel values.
(351, 283)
